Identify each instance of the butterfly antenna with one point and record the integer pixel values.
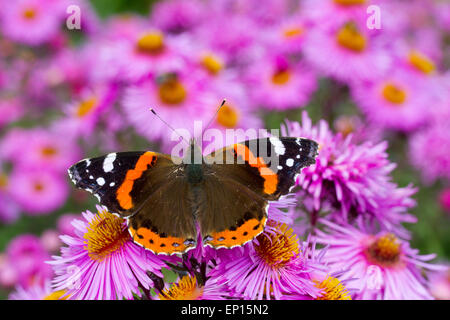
(168, 125)
(215, 116)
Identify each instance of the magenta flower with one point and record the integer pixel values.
(177, 98)
(38, 192)
(347, 52)
(353, 178)
(384, 266)
(396, 101)
(102, 261)
(178, 16)
(28, 257)
(279, 84)
(428, 152)
(273, 265)
(31, 22)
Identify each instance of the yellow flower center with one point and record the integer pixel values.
(332, 289)
(385, 250)
(293, 32)
(85, 107)
(394, 94)
(106, 234)
(57, 295)
(151, 43)
(350, 38)
(185, 289)
(3, 181)
(349, 2)
(228, 116)
(38, 186)
(277, 248)
(281, 77)
(171, 91)
(212, 64)
(421, 62)
(29, 13)
(49, 151)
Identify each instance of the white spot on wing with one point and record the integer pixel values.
(290, 162)
(100, 181)
(278, 145)
(108, 162)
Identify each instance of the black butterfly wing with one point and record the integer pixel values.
(148, 189)
(246, 176)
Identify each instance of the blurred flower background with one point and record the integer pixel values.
(368, 80)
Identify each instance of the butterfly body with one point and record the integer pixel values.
(224, 194)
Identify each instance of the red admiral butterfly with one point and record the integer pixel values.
(226, 194)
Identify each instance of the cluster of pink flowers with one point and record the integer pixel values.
(344, 231)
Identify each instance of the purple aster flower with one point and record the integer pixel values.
(395, 101)
(102, 261)
(354, 179)
(189, 288)
(38, 191)
(36, 292)
(31, 22)
(273, 265)
(384, 266)
(277, 83)
(428, 152)
(9, 209)
(347, 52)
(178, 16)
(439, 283)
(8, 273)
(28, 257)
(177, 97)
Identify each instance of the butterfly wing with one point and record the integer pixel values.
(148, 189)
(247, 175)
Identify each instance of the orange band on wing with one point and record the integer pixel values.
(244, 233)
(157, 244)
(123, 192)
(270, 177)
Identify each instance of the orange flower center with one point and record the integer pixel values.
(85, 107)
(29, 13)
(151, 43)
(421, 62)
(57, 295)
(38, 186)
(278, 248)
(293, 32)
(333, 289)
(49, 151)
(171, 91)
(212, 64)
(281, 77)
(185, 289)
(394, 94)
(228, 116)
(106, 234)
(384, 250)
(3, 181)
(349, 2)
(350, 38)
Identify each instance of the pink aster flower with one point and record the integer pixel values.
(439, 283)
(178, 98)
(354, 178)
(394, 101)
(10, 110)
(9, 209)
(38, 192)
(178, 16)
(31, 22)
(444, 199)
(46, 149)
(8, 273)
(280, 84)
(384, 266)
(273, 265)
(347, 52)
(102, 261)
(28, 257)
(428, 152)
(36, 292)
